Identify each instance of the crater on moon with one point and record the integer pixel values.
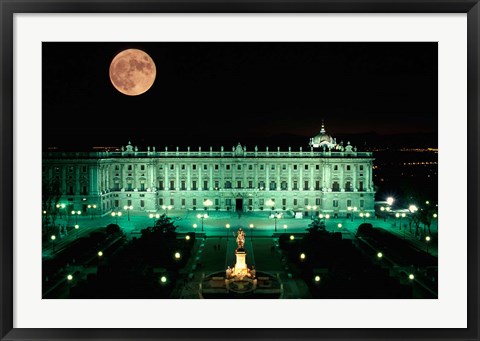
(132, 72)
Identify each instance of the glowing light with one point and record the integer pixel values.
(379, 255)
(340, 225)
(53, 237)
(100, 253)
(427, 238)
(194, 226)
(317, 278)
(77, 227)
(302, 256)
(163, 279)
(69, 277)
(187, 237)
(227, 226)
(411, 276)
(251, 226)
(292, 237)
(390, 201)
(177, 255)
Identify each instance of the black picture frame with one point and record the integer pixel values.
(9, 7)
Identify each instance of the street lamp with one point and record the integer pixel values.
(351, 211)
(91, 208)
(58, 206)
(324, 216)
(116, 215)
(52, 237)
(154, 217)
(228, 227)
(276, 216)
(76, 229)
(167, 208)
(202, 216)
(128, 209)
(427, 241)
(339, 225)
(194, 227)
(364, 215)
(177, 255)
(379, 255)
(270, 203)
(285, 228)
(390, 201)
(401, 216)
(251, 232)
(76, 214)
(207, 203)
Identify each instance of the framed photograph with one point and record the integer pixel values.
(288, 170)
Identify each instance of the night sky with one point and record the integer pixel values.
(254, 93)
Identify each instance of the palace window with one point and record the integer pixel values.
(216, 167)
(362, 203)
(239, 184)
(317, 167)
(348, 167)
(183, 167)
(306, 167)
(228, 184)
(194, 167)
(284, 185)
(239, 167)
(284, 167)
(273, 185)
(317, 185)
(250, 167)
(142, 203)
(348, 186)
(142, 186)
(172, 201)
(194, 185)
(295, 167)
(349, 203)
(182, 185)
(129, 167)
(335, 187)
(172, 185)
(335, 203)
(142, 167)
(160, 185)
(360, 186)
(205, 167)
(262, 167)
(194, 201)
(305, 187)
(335, 167)
(361, 167)
(183, 201)
(295, 186)
(160, 201)
(250, 184)
(205, 185)
(317, 201)
(172, 166)
(295, 202)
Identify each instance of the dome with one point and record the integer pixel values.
(322, 139)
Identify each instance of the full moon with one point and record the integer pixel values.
(132, 72)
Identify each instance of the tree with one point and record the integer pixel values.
(51, 194)
(316, 225)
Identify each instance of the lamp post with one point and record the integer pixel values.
(251, 232)
(116, 215)
(390, 201)
(364, 215)
(351, 210)
(276, 216)
(167, 208)
(427, 241)
(401, 216)
(323, 217)
(207, 203)
(228, 228)
(309, 211)
(76, 214)
(52, 237)
(58, 206)
(128, 209)
(202, 216)
(270, 203)
(285, 228)
(194, 227)
(76, 229)
(412, 209)
(91, 208)
(154, 217)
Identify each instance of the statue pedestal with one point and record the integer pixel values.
(240, 269)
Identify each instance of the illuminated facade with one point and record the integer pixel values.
(326, 178)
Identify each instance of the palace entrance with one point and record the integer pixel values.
(239, 204)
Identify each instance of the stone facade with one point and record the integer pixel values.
(326, 179)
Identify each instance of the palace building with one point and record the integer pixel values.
(325, 178)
